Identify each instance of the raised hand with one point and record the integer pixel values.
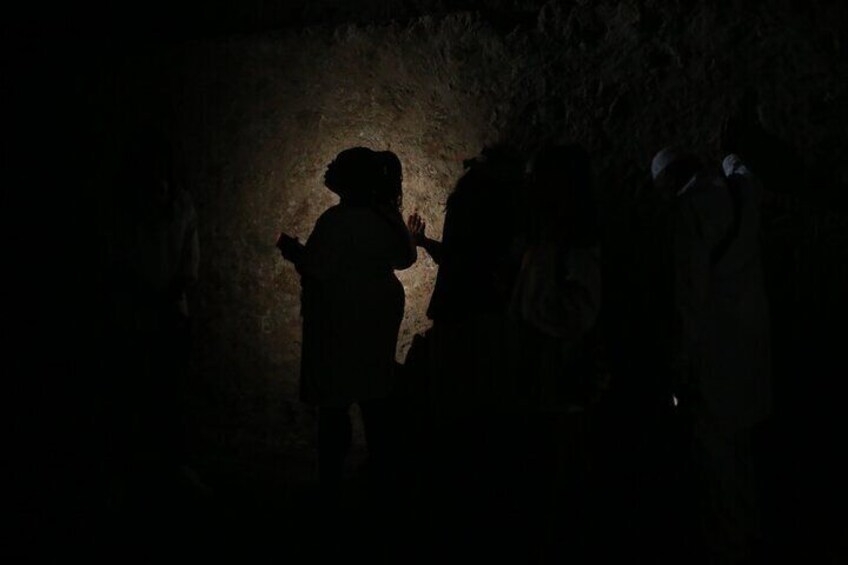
(290, 247)
(417, 227)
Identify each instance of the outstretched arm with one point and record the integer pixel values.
(417, 228)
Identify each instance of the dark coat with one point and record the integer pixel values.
(352, 304)
(723, 314)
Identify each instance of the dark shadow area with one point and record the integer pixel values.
(476, 447)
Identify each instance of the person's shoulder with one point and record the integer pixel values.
(349, 215)
(466, 191)
(346, 219)
(332, 213)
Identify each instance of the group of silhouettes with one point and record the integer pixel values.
(497, 403)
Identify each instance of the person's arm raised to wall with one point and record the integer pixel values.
(417, 228)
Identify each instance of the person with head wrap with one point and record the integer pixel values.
(720, 360)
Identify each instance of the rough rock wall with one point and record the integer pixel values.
(261, 116)
(272, 112)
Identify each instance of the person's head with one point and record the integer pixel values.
(354, 175)
(148, 168)
(390, 189)
(561, 191)
(495, 175)
(501, 163)
(672, 169)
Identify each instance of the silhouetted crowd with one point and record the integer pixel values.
(548, 414)
(582, 395)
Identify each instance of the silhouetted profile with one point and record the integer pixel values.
(721, 354)
(352, 304)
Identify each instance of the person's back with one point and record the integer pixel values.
(556, 295)
(735, 389)
(351, 293)
(475, 271)
(352, 306)
(722, 356)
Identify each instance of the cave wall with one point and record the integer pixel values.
(260, 115)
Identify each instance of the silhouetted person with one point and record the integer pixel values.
(478, 232)
(557, 298)
(805, 281)
(558, 291)
(779, 166)
(154, 261)
(352, 305)
(721, 353)
(477, 264)
(472, 380)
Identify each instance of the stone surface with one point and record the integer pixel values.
(261, 116)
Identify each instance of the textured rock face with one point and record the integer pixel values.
(278, 109)
(262, 115)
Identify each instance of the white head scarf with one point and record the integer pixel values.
(662, 160)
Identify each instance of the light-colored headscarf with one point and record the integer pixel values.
(663, 159)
